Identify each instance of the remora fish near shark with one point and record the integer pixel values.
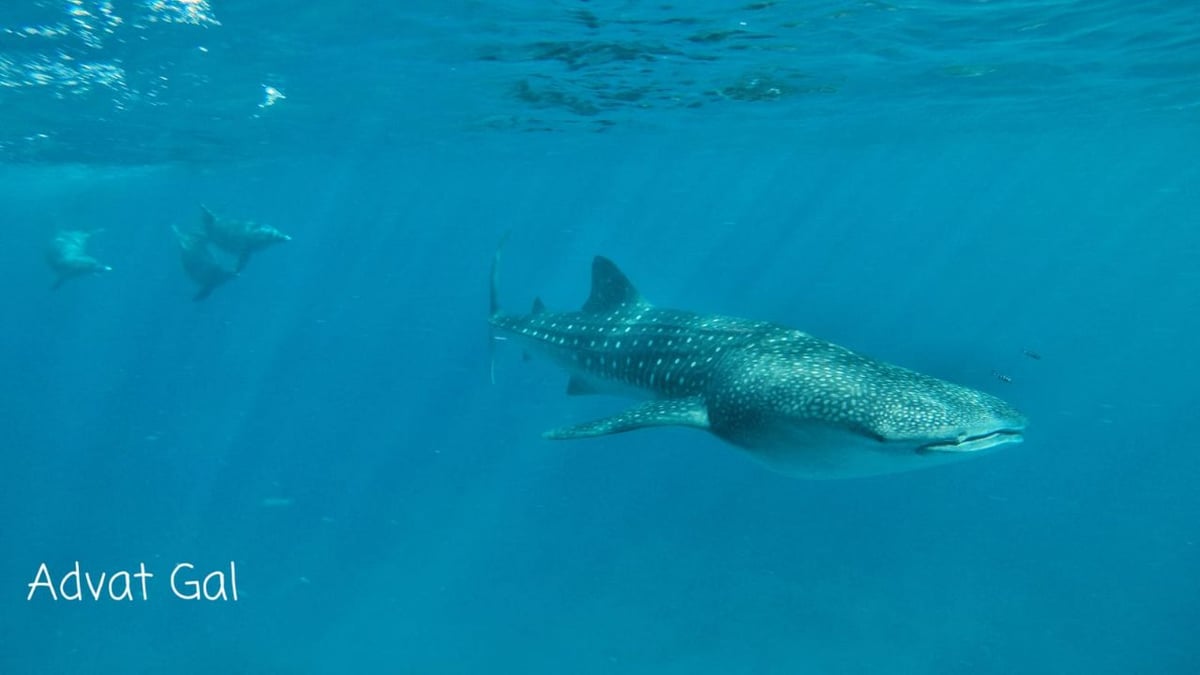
(803, 406)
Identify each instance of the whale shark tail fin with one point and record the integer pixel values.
(494, 303)
(495, 278)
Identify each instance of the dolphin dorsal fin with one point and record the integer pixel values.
(611, 289)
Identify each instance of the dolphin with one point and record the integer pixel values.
(67, 256)
(200, 264)
(242, 238)
(803, 406)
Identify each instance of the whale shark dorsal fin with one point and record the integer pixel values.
(611, 289)
(677, 412)
(538, 306)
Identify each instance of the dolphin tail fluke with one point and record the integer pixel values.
(684, 412)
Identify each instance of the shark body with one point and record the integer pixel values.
(801, 405)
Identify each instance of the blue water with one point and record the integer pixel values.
(937, 184)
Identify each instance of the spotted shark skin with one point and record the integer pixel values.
(803, 406)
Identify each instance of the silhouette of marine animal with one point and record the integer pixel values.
(242, 238)
(801, 405)
(200, 264)
(67, 256)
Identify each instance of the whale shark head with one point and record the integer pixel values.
(944, 419)
(810, 408)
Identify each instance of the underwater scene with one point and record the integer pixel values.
(600, 336)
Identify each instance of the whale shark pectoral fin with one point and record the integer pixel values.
(681, 412)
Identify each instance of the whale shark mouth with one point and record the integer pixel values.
(974, 443)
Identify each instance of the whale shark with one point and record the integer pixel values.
(802, 406)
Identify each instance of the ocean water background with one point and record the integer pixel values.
(941, 185)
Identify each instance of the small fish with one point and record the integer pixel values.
(1032, 354)
(1007, 379)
